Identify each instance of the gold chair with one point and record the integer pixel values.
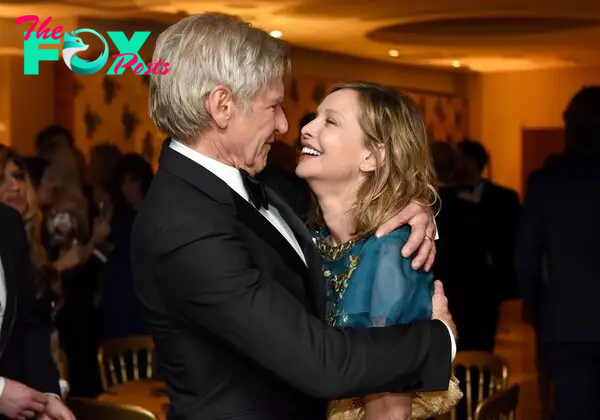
(484, 363)
(500, 406)
(116, 350)
(88, 409)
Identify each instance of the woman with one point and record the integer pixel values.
(365, 157)
(120, 311)
(17, 191)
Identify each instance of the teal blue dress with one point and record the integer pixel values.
(370, 284)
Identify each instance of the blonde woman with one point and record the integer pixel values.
(17, 191)
(365, 157)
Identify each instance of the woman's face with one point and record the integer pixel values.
(12, 187)
(333, 151)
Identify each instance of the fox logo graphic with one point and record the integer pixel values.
(129, 48)
(73, 44)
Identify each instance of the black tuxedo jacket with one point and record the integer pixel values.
(237, 317)
(25, 335)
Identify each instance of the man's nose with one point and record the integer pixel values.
(281, 122)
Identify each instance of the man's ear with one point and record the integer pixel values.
(219, 104)
(373, 159)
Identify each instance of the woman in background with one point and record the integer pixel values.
(17, 191)
(365, 157)
(70, 223)
(120, 311)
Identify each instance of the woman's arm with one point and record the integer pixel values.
(399, 294)
(388, 407)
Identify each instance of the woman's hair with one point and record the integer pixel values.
(392, 123)
(32, 219)
(67, 176)
(135, 167)
(36, 167)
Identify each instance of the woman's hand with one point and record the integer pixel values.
(69, 259)
(422, 235)
(100, 231)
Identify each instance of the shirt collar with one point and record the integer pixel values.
(230, 175)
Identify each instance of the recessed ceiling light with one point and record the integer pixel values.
(393, 53)
(455, 63)
(276, 34)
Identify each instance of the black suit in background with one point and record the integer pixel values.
(237, 317)
(501, 209)
(461, 264)
(559, 236)
(25, 335)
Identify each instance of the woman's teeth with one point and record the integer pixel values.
(310, 151)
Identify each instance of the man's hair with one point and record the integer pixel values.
(51, 134)
(444, 160)
(392, 122)
(205, 51)
(475, 151)
(582, 121)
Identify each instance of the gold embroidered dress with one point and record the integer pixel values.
(369, 284)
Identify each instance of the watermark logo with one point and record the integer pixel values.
(128, 48)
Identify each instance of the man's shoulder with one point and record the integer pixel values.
(501, 190)
(10, 222)
(174, 211)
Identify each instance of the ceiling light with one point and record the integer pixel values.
(276, 34)
(393, 53)
(455, 63)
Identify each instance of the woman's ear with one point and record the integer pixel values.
(373, 160)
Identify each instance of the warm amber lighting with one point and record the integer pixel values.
(393, 53)
(276, 34)
(455, 63)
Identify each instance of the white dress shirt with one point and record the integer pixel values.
(232, 177)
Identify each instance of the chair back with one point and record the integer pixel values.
(484, 374)
(120, 357)
(500, 406)
(88, 409)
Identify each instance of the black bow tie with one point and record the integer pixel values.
(256, 191)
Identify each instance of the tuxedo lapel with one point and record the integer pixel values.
(208, 183)
(251, 217)
(313, 260)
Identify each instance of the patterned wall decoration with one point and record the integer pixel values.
(115, 109)
(446, 116)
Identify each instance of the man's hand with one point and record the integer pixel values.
(440, 307)
(56, 410)
(21, 402)
(420, 218)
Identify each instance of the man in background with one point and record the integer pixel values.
(27, 371)
(556, 261)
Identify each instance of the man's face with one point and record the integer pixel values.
(254, 130)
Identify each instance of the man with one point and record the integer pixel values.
(27, 369)
(556, 261)
(228, 275)
(461, 260)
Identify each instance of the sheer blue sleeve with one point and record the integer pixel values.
(384, 289)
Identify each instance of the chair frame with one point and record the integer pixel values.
(503, 403)
(116, 348)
